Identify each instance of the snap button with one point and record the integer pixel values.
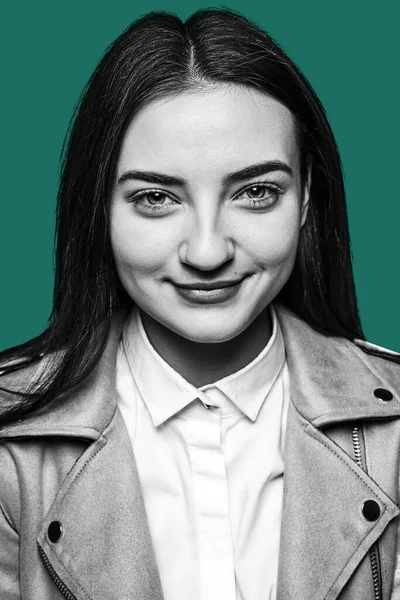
(55, 531)
(371, 510)
(383, 394)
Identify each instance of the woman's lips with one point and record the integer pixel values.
(208, 294)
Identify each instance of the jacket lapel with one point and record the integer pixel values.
(105, 550)
(324, 534)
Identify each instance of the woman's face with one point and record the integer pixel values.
(207, 209)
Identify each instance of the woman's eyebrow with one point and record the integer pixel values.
(151, 177)
(257, 170)
(245, 173)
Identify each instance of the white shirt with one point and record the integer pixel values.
(212, 478)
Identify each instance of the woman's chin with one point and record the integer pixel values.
(211, 332)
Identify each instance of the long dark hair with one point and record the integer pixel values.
(160, 56)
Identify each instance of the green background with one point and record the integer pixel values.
(347, 49)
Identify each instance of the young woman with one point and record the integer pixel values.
(203, 417)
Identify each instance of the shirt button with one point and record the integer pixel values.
(55, 531)
(383, 394)
(371, 510)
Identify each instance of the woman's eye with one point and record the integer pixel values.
(260, 194)
(152, 201)
(154, 198)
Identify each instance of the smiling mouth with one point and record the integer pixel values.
(204, 285)
(208, 292)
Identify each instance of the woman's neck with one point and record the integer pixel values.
(204, 363)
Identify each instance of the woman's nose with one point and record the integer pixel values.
(206, 246)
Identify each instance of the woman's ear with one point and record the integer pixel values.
(306, 191)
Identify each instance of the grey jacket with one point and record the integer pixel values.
(72, 519)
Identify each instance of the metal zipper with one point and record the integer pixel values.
(359, 457)
(376, 571)
(58, 582)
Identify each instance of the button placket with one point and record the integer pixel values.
(217, 577)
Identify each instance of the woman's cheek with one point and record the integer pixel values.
(138, 250)
(283, 246)
(134, 261)
(274, 243)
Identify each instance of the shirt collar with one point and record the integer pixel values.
(248, 387)
(165, 392)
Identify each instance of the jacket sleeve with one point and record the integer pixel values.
(9, 537)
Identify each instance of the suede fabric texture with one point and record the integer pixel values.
(73, 463)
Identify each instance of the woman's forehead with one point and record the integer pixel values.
(219, 128)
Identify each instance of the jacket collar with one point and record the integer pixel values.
(332, 380)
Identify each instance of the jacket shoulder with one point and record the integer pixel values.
(378, 351)
(19, 376)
